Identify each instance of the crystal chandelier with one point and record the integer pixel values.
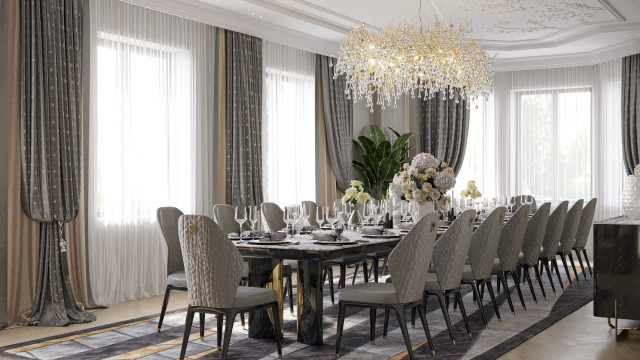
(385, 64)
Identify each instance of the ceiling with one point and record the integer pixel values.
(523, 33)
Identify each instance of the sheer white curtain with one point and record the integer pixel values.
(150, 135)
(288, 124)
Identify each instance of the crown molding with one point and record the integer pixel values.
(605, 54)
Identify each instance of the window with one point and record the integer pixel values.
(555, 143)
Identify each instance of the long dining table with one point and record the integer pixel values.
(265, 270)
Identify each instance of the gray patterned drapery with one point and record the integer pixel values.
(338, 115)
(631, 111)
(444, 124)
(51, 130)
(243, 119)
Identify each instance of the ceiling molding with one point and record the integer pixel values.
(300, 15)
(612, 10)
(608, 53)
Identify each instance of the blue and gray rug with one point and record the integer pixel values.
(138, 338)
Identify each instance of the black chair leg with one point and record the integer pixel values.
(324, 276)
(463, 312)
(228, 328)
(546, 267)
(403, 327)
(220, 319)
(355, 274)
(539, 277)
(566, 269)
(423, 319)
(493, 299)
(375, 268)
(527, 274)
(503, 278)
(201, 326)
(476, 293)
(384, 265)
(290, 287)
(274, 314)
(343, 276)
(584, 272)
(515, 278)
(413, 317)
(340, 326)
(187, 331)
(573, 265)
(445, 313)
(372, 324)
(554, 262)
(386, 323)
(165, 302)
(331, 291)
(586, 259)
(365, 271)
(498, 283)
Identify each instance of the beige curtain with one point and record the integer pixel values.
(327, 185)
(221, 56)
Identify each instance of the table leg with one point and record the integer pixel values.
(265, 273)
(310, 302)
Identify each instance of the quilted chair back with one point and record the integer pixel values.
(571, 226)
(554, 230)
(225, 216)
(273, 217)
(409, 261)
(484, 244)
(212, 264)
(450, 251)
(313, 210)
(171, 253)
(586, 222)
(512, 237)
(536, 227)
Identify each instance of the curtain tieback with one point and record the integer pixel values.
(63, 243)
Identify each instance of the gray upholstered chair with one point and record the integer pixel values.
(408, 265)
(482, 252)
(531, 245)
(533, 205)
(273, 217)
(225, 216)
(551, 241)
(176, 280)
(586, 223)
(508, 252)
(449, 255)
(568, 238)
(213, 267)
(313, 209)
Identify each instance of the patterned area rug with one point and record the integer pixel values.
(138, 338)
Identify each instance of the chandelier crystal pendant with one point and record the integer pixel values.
(399, 60)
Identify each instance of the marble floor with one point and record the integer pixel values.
(577, 336)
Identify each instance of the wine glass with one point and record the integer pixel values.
(241, 217)
(319, 216)
(414, 210)
(512, 203)
(378, 213)
(306, 214)
(253, 216)
(332, 217)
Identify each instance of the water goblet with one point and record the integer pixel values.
(241, 217)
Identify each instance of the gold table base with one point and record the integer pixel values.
(623, 331)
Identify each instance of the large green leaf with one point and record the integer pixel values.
(395, 132)
(368, 179)
(372, 162)
(383, 150)
(397, 154)
(376, 134)
(388, 168)
(367, 146)
(401, 141)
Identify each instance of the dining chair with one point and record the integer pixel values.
(531, 245)
(273, 217)
(533, 206)
(568, 238)
(213, 267)
(482, 251)
(551, 241)
(171, 253)
(449, 255)
(408, 265)
(225, 216)
(508, 252)
(313, 210)
(582, 236)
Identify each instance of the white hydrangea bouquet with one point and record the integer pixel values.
(426, 179)
(471, 190)
(356, 194)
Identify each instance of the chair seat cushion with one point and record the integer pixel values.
(370, 293)
(467, 274)
(247, 296)
(432, 283)
(497, 266)
(178, 278)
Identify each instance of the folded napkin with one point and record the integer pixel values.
(405, 225)
(276, 236)
(372, 231)
(326, 237)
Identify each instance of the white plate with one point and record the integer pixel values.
(382, 236)
(339, 242)
(269, 242)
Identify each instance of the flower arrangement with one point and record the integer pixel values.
(471, 190)
(425, 179)
(636, 171)
(356, 194)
